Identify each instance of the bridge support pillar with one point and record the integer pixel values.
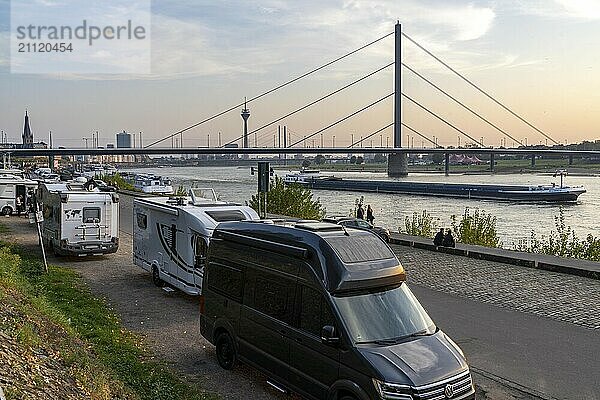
(533, 160)
(447, 163)
(397, 165)
(570, 159)
(493, 163)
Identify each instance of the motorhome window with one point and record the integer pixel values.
(360, 248)
(271, 297)
(226, 215)
(314, 312)
(142, 220)
(91, 214)
(226, 280)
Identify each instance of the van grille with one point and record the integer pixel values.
(455, 388)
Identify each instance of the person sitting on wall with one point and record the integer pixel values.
(449, 239)
(438, 240)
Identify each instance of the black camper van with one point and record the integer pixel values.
(325, 312)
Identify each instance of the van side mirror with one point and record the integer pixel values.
(329, 335)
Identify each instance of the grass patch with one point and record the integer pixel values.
(105, 359)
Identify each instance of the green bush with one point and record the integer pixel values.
(562, 242)
(290, 200)
(420, 224)
(118, 181)
(477, 228)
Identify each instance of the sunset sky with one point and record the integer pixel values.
(539, 57)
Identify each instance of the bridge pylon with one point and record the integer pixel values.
(397, 162)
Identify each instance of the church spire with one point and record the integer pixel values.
(27, 133)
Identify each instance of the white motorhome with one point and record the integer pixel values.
(171, 235)
(11, 187)
(79, 220)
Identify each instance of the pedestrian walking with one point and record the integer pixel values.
(370, 216)
(360, 212)
(19, 204)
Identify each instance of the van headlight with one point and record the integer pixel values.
(392, 391)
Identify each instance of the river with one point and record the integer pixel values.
(515, 221)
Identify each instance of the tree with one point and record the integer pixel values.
(353, 160)
(291, 201)
(320, 159)
(305, 163)
(360, 160)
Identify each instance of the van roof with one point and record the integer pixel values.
(343, 259)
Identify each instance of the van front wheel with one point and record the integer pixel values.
(156, 277)
(226, 354)
(6, 210)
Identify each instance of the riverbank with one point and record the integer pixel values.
(59, 341)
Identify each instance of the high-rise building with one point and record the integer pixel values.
(123, 140)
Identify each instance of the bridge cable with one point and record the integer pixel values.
(420, 134)
(312, 71)
(480, 89)
(343, 119)
(370, 135)
(462, 104)
(312, 103)
(443, 120)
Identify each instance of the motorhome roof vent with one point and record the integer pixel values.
(202, 196)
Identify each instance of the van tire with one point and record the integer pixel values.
(156, 277)
(6, 210)
(226, 353)
(348, 398)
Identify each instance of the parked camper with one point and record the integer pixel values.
(78, 221)
(11, 188)
(171, 235)
(324, 312)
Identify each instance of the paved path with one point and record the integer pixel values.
(558, 296)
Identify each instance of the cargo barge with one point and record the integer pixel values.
(520, 193)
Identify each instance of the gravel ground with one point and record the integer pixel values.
(169, 322)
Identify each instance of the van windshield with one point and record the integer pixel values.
(384, 316)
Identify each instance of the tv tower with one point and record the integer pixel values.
(245, 116)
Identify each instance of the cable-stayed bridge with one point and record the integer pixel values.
(295, 142)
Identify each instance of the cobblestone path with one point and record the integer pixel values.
(548, 294)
